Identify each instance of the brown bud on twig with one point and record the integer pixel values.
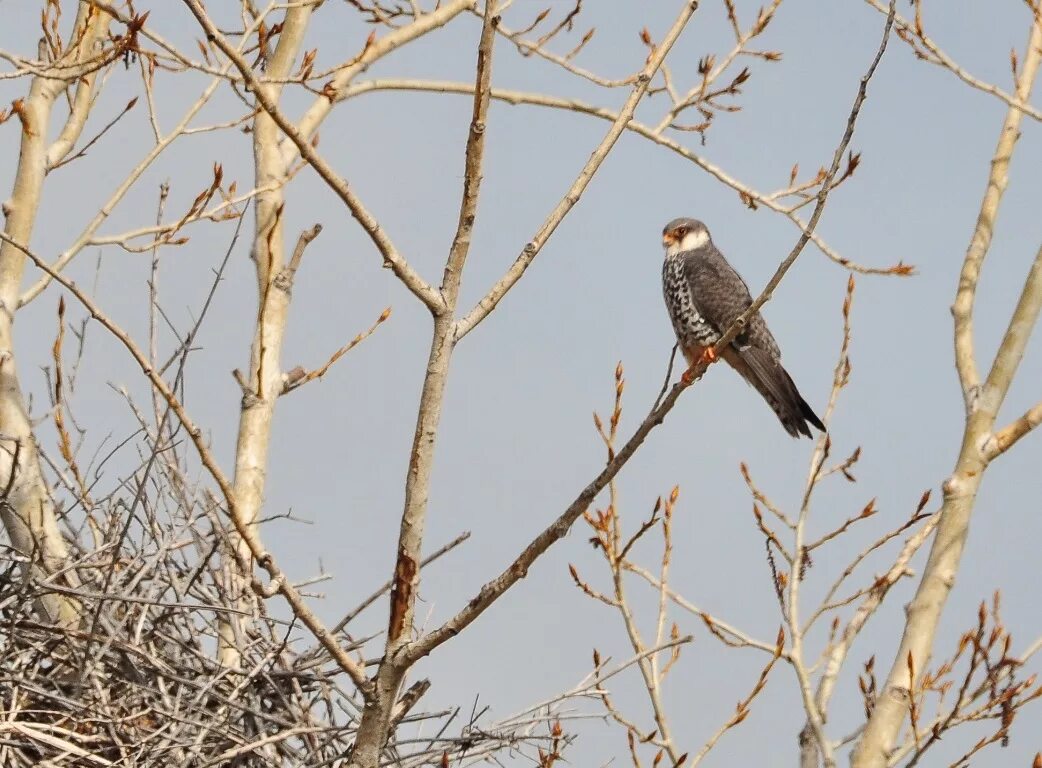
(849, 298)
(307, 63)
(18, 108)
(582, 44)
(740, 78)
(538, 20)
(747, 200)
(853, 161)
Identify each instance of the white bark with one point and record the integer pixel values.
(982, 404)
(264, 380)
(26, 508)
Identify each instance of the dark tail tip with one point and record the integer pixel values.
(800, 414)
(809, 415)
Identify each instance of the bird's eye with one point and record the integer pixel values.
(681, 231)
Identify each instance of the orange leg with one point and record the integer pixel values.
(700, 363)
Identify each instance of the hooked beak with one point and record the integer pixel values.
(668, 239)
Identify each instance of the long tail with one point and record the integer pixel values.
(772, 381)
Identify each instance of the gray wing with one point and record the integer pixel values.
(721, 296)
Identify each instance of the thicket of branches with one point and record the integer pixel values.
(143, 608)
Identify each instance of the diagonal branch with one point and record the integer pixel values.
(82, 101)
(822, 196)
(1003, 440)
(475, 154)
(392, 258)
(278, 582)
(274, 279)
(942, 59)
(962, 310)
(488, 303)
(497, 587)
(421, 458)
(960, 489)
(332, 94)
(378, 719)
(518, 569)
(643, 130)
(27, 510)
(86, 237)
(873, 599)
(1011, 351)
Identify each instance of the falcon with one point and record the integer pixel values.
(704, 296)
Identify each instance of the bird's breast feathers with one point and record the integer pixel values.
(689, 321)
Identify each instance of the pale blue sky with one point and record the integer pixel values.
(517, 442)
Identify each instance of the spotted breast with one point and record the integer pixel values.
(692, 329)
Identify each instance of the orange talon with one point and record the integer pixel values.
(703, 361)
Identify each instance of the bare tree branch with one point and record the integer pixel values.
(935, 55)
(1015, 340)
(1005, 438)
(770, 201)
(417, 484)
(998, 176)
(26, 508)
(377, 49)
(495, 588)
(392, 258)
(960, 489)
(571, 197)
(274, 280)
(278, 583)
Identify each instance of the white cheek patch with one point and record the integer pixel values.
(694, 240)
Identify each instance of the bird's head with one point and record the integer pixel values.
(684, 235)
